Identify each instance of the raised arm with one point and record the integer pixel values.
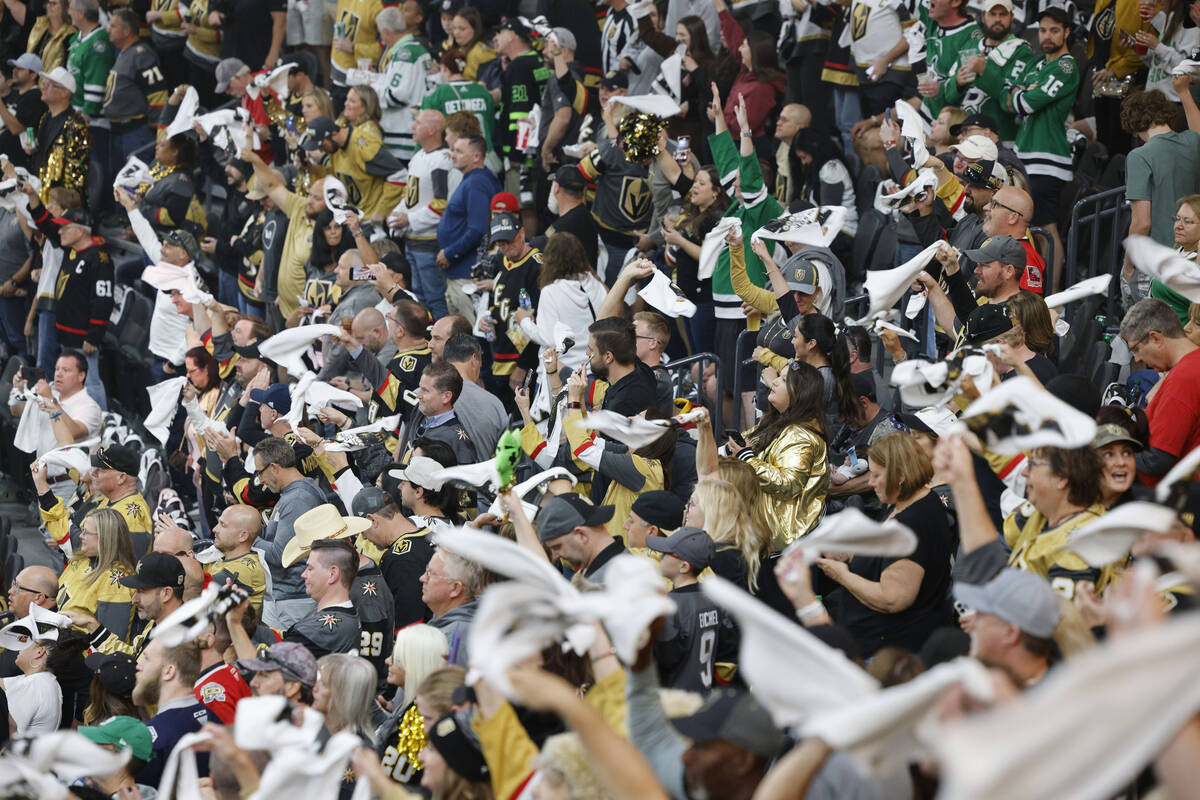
(267, 179)
(953, 460)
(614, 301)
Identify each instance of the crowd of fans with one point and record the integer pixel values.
(571, 399)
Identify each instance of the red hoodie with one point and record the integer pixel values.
(761, 96)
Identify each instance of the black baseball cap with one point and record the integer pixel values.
(864, 384)
(570, 178)
(687, 544)
(1057, 12)
(982, 175)
(504, 228)
(615, 79)
(735, 717)
(565, 512)
(660, 508)
(117, 671)
(303, 61)
(155, 570)
(915, 423)
(119, 457)
(518, 27)
(975, 121)
(248, 350)
(459, 747)
(1002, 248)
(318, 131)
(987, 322)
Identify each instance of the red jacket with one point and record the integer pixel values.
(761, 96)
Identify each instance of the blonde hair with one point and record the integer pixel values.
(439, 686)
(420, 649)
(321, 98)
(370, 101)
(563, 756)
(114, 546)
(726, 519)
(955, 115)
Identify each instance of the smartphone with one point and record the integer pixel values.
(682, 149)
(32, 375)
(362, 274)
(736, 435)
(290, 124)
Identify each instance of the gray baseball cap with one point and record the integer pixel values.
(368, 501)
(564, 37)
(801, 275)
(687, 544)
(291, 658)
(735, 717)
(565, 512)
(227, 69)
(1015, 596)
(1002, 248)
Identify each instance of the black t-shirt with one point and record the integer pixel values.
(634, 393)
(246, 33)
(28, 108)
(907, 629)
(578, 221)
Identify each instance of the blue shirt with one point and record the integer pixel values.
(465, 222)
(167, 727)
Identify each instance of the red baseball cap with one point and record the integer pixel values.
(505, 201)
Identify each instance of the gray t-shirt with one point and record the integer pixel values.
(14, 247)
(1163, 170)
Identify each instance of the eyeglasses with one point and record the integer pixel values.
(431, 575)
(994, 202)
(1184, 220)
(1037, 462)
(18, 587)
(1133, 348)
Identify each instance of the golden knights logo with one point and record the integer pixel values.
(635, 198)
(369, 588)
(858, 20)
(353, 193)
(412, 191)
(330, 621)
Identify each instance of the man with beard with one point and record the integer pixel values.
(1011, 621)
(166, 677)
(979, 186)
(302, 212)
(979, 82)
(157, 591)
(612, 358)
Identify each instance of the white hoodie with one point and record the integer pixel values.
(572, 302)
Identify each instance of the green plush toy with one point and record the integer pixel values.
(508, 455)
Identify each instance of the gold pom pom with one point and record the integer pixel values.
(639, 135)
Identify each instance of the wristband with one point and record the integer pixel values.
(811, 611)
(575, 404)
(55, 415)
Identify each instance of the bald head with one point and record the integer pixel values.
(370, 328)
(429, 129)
(443, 329)
(32, 586)
(174, 542)
(1011, 212)
(236, 530)
(792, 118)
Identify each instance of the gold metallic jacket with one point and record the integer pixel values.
(794, 474)
(68, 158)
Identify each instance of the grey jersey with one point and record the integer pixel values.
(333, 629)
(135, 86)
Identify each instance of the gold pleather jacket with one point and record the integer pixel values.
(793, 473)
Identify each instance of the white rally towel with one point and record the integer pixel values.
(348, 441)
(1187, 67)
(913, 129)
(475, 475)
(882, 731)
(1085, 288)
(181, 775)
(1182, 471)
(72, 456)
(661, 294)
(774, 650)
(1019, 415)
(526, 486)
(1046, 744)
(633, 432)
(713, 244)
(881, 325)
(924, 383)
(1167, 264)
(186, 114)
(337, 199)
(41, 624)
(888, 202)
(164, 403)
(851, 531)
(1108, 538)
(276, 81)
(286, 348)
(47, 762)
(133, 174)
(887, 286)
(171, 278)
(812, 226)
(660, 105)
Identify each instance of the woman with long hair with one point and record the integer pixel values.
(940, 138)
(722, 512)
(349, 707)
(1179, 36)
(897, 602)
(90, 582)
(570, 295)
(50, 34)
(419, 651)
(362, 107)
(316, 103)
(468, 34)
(787, 451)
(170, 201)
(759, 79)
(820, 177)
(818, 344)
(704, 204)
(1024, 349)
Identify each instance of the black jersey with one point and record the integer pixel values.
(512, 278)
(334, 629)
(402, 565)
(376, 617)
(696, 638)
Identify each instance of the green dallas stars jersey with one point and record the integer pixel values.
(942, 46)
(1006, 64)
(1044, 98)
(90, 60)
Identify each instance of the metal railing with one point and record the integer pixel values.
(702, 359)
(1101, 222)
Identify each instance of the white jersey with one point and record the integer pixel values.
(405, 68)
(874, 29)
(431, 180)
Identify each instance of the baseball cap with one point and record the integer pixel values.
(368, 501)
(419, 471)
(979, 120)
(62, 76)
(515, 25)
(227, 69)
(276, 397)
(565, 512)
(687, 544)
(563, 38)
(976, 146)
(74, 216)
(735, 717)
(1058, 12)
(303, 61)
(984, 174)
(319, 129)
(29, 61)
(987, 322)
(1022, 598)
(116, 671)
(615, 79)
(291, 658)
(1110, 432)
(660, 508)
(253, 191)
(864, 384)
(248, 350)
(181, 238)
(914, 423)
(801, 274)
(505, 201)
(119, 457)
(126, 733)
(569, 177)
(1002, 248)
(504, 228)
(459, 747)
(1005, 4)
(155, 571)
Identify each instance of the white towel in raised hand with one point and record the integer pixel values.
(881, 325)
(186, 114)
(39, 624)
(133, 174)
(181, 775)
(529, 484)
(886, 203)
(479, 474)
(633, 432)
(1165, 263)
(924, 383)
(713, 244)
(352, 439)
(1085, 288)
(660, 105)
(887, 286)
(337, 199)
(48, 762)
(1109, 538)
(1046, 744)
(812, 226)
(265, 724)
(1019, 415)
(660, 294)
(286, 347)
(1182, 471)
(298, 393)
(883, 731)
(914, 128)
(774, 650)
(71, 456)
(1187, 67)
(171, 278)
(851, 531)
(632, 598)
(164, 403)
